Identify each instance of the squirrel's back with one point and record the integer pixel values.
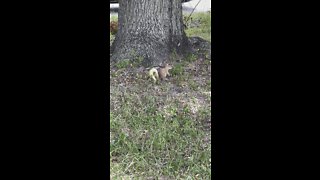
(163, 72)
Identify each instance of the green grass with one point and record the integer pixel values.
(150, 142)
(200, 25)
(114, 18)
(112, 37)
(123, 64)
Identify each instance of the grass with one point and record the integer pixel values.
(161, 131)
(149, 143)
(158, 135)
(199, 25)
(112, 37)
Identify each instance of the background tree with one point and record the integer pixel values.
(152, 29)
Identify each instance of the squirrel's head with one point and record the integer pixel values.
(168, 66)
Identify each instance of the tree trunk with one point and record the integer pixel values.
(151, 29)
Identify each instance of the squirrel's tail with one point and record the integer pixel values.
(153, 73)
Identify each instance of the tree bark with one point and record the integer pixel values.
(151, 29)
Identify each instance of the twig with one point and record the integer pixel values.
(192, 11)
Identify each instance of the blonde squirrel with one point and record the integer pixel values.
(160, 74)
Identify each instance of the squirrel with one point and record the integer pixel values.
(160, 74)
